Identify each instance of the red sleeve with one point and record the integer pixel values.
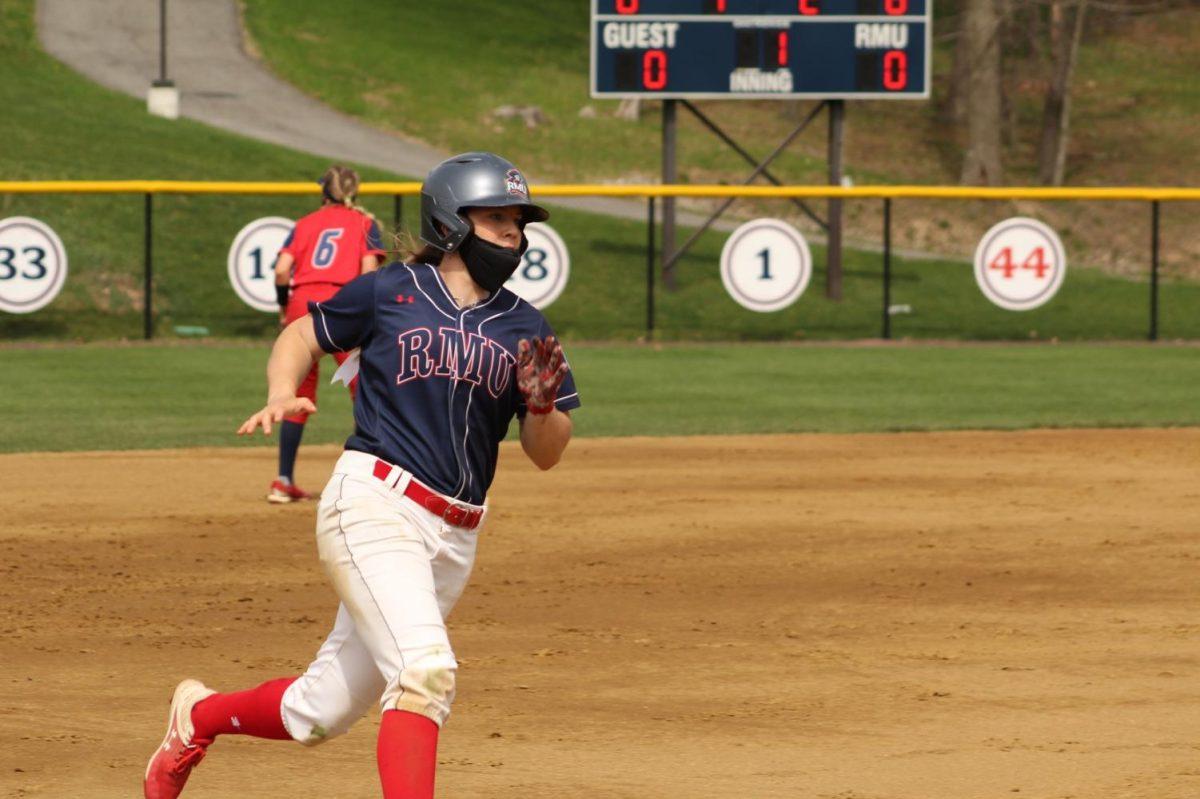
(296, 240)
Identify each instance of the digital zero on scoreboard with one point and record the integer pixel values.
(830, 49)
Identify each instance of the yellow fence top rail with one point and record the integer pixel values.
(1142, 193)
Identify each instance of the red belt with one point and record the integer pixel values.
(435, 503)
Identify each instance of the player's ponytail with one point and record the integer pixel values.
(339, 185)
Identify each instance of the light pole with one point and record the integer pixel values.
(163, 98)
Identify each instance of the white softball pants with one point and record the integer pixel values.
(398, 570)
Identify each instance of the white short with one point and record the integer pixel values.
(399, 570)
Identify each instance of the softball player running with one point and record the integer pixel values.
(325, 251)
(448, 358)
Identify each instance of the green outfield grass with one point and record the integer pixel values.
(134, 397)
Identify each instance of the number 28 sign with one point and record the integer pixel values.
(545, 267)
(1020, 264)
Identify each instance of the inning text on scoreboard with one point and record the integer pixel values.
(728, 49)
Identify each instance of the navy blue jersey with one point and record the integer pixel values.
(437, 384)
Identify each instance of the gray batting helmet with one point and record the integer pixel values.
(470, 180)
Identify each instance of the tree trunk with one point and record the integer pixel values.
(1056, 114)
(1007, 31)
(955, 108)
(982, 161)
(1033, 34)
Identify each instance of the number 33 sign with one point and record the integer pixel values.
(33, 265)
(1020, 264)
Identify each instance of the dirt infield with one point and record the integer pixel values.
(935, 616)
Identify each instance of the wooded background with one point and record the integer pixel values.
(1000, 42)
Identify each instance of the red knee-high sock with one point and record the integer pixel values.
(407, 754)
(254, 712)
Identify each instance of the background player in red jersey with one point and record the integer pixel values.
(325, 251)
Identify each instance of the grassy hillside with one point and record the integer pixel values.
(175, 396)
(417, 68)
(58, 125)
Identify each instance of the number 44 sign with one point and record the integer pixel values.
(1020, 264)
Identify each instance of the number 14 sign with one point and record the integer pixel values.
(252, 259)
(1020, 264)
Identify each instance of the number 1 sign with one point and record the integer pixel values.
(766, 265)
(1020, 264)
(252, 260)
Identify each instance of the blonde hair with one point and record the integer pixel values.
(339, 184)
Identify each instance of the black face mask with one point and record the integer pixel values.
(488, 264)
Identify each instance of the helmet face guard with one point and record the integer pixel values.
(471, 180)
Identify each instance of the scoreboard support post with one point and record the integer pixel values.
(751, 160)
(833, 247)
(670, 176)
(760, 168)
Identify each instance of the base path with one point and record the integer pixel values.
(115, 43)
(944, 616)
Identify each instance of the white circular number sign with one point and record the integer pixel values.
(33, 264)
(544, 269)
(1020, 264)
(252, 261)
(766, 265)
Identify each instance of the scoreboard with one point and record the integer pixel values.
(761, 49)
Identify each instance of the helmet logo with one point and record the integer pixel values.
(514, 182)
